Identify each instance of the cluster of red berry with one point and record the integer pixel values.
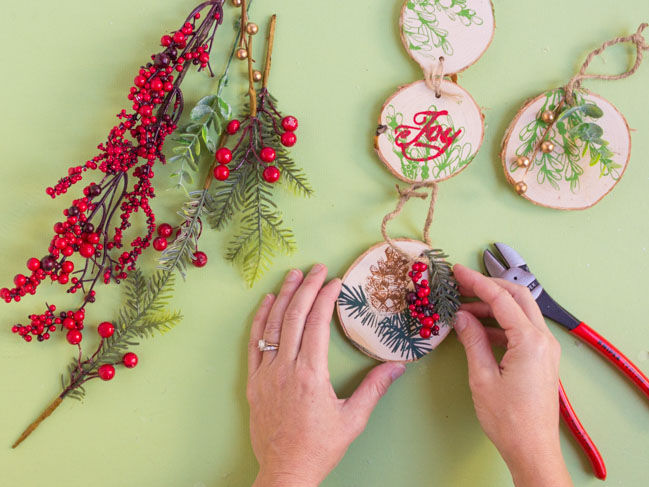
(41, 325)
(267, 155)
(199, 258)
(135, 143)
(419, 304)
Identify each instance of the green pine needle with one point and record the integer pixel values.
(443, 286)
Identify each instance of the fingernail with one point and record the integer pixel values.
(293, 275)
(398, 371)
(316, 269)
(460, 322)
(268, 298)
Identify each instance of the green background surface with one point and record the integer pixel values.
(180, 418)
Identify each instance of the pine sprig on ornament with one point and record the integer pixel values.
(88, 244)
(143, 314)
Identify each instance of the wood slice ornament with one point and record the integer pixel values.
(568, 148)
(399, 297)
(431, 130)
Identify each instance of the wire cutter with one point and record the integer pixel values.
(509, 265)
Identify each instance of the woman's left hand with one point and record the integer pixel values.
(299, 429)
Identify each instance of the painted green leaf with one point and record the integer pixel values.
(591, 110)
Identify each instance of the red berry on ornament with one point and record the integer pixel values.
(74, 337)
(160, 244)
(289, 124)
(105, 329)
(106, 372)
(289, 139)
(165, 230)
(199, 259)
(223, 156)
(268, 154)
(233, 127)
(221, 172)
(425, 332)
(130, 360)
(271, 174)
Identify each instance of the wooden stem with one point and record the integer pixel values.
(269, 52)
(30, 429)
(244, 22)
(251, 88)
(210, 175)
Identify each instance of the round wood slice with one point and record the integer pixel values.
(571, 177)
(425, 138)
(459, 31)
(372, 309)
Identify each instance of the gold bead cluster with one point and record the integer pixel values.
(523, 162)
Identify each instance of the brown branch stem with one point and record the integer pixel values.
(244, 22)
(251, 81)
(30, 429)
(269, 51)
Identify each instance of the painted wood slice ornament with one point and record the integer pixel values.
(581, 158)
(568, 148)
(399, 298)
(460, 31)
(426, 138)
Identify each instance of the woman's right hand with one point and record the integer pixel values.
(516, 400)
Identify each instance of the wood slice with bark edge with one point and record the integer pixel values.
(453, 64)
(452, 93)
(362, 336)
(615, 123)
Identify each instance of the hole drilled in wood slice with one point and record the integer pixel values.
(590, 146)
(425, 138)
(372, 308)
(459, 31)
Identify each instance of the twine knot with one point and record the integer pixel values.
(435, 76)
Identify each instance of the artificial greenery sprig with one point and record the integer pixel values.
(143, 314)
(443, 286)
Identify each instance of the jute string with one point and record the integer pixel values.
(405, 195)
(435, 76)
(640, 46)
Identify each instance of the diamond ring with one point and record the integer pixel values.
(265, 346)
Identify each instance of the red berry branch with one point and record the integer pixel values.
(88, 245)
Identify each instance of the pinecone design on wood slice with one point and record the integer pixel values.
(386, 284)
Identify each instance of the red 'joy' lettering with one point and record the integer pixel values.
(428, 133)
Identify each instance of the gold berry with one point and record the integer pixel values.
(252, 28)
(523, 162)
(547, 116)
(236, 3)
(521, 187)
(547, 146)
(242, 54)
(256, 76)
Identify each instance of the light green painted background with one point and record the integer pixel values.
(180, 418)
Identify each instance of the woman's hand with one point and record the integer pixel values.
(299, 429)
(516, 400)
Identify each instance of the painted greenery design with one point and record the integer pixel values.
(456, 157)
(421, 24)
(576, 137)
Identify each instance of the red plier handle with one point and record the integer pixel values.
(613, 355)
(579, 432)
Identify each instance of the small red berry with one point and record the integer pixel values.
(106, 372)
(425, 332)
(130, 360)
(289, 139)
(93, 238)
(221, 172)
(20, 280)
(435, 317)
(233, 127)
(105, 329)
(165, 230)
(86, 250)
(140, 81)
(33, 264)
(165, 41)
(267, 154)
(69, 324)
(223, 156)
(4, 293)
(289, 124)
(160, 244)
(74, 337)
(271, 174)
(179, 37)
(67, 266)
(64, 278)
(200, 259)
(428, 322)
